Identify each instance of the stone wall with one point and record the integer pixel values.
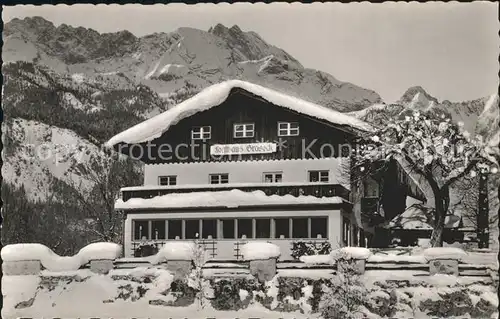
(136, 288)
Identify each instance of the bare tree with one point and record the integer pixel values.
(107, 172)
(473, 202)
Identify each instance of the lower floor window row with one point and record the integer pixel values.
(301, 227)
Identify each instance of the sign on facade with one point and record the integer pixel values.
(239, 149)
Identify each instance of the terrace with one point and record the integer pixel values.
(316, 189)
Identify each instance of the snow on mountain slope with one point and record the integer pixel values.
(488, 121)
(171, 62)
(478, 116)
(35, 154)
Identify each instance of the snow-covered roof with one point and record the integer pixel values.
(216, 94)
(419, 216)
(230, 199)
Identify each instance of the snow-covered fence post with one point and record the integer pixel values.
(22, 259)
(351, 259)
(443, 260)
(178, 257)
(262, 257)
(101, 256)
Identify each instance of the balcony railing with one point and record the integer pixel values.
(312, 189)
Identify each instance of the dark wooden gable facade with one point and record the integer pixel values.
(244, 107)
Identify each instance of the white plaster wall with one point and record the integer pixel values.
(334, 221)
(335, 229)
(246, 171)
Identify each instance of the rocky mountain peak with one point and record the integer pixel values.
(28, 25)
(175, 65)
(235, 29)
(33, 23)
(219, 29)
(413, 91)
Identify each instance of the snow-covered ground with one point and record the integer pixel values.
(97, 297)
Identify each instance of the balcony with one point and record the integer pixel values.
(280, 189)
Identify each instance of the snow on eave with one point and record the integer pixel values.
(229, 199)
(216, 94)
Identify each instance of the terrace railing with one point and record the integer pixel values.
(313, 189)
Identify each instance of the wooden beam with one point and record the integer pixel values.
(150, 229)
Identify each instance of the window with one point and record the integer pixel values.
(263, 228)
(300, 228)
(174, 229)
(201, 133)
(282, 227)
(219, 178)
(141, 229)
(345, 231)
(209, 228)
(228, 228)
(275, 177)
(158, 229)
(245, 228)
(319, 176)
(244, 130)
(192, 228)
(167, 180)
(319, 227)
(288, 128)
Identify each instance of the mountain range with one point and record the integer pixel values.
(72, 85)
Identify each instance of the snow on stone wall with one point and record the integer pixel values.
(151, 291)
(175, 251)
(260, 251)
(359, 253)
(49, 260)
(444, 253)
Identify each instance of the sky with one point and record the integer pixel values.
(450, 49)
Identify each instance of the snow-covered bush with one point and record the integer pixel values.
(343, 296)
(183, 294)
(234, 294)
(146, 249)
(305, 248)
(195, 278)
